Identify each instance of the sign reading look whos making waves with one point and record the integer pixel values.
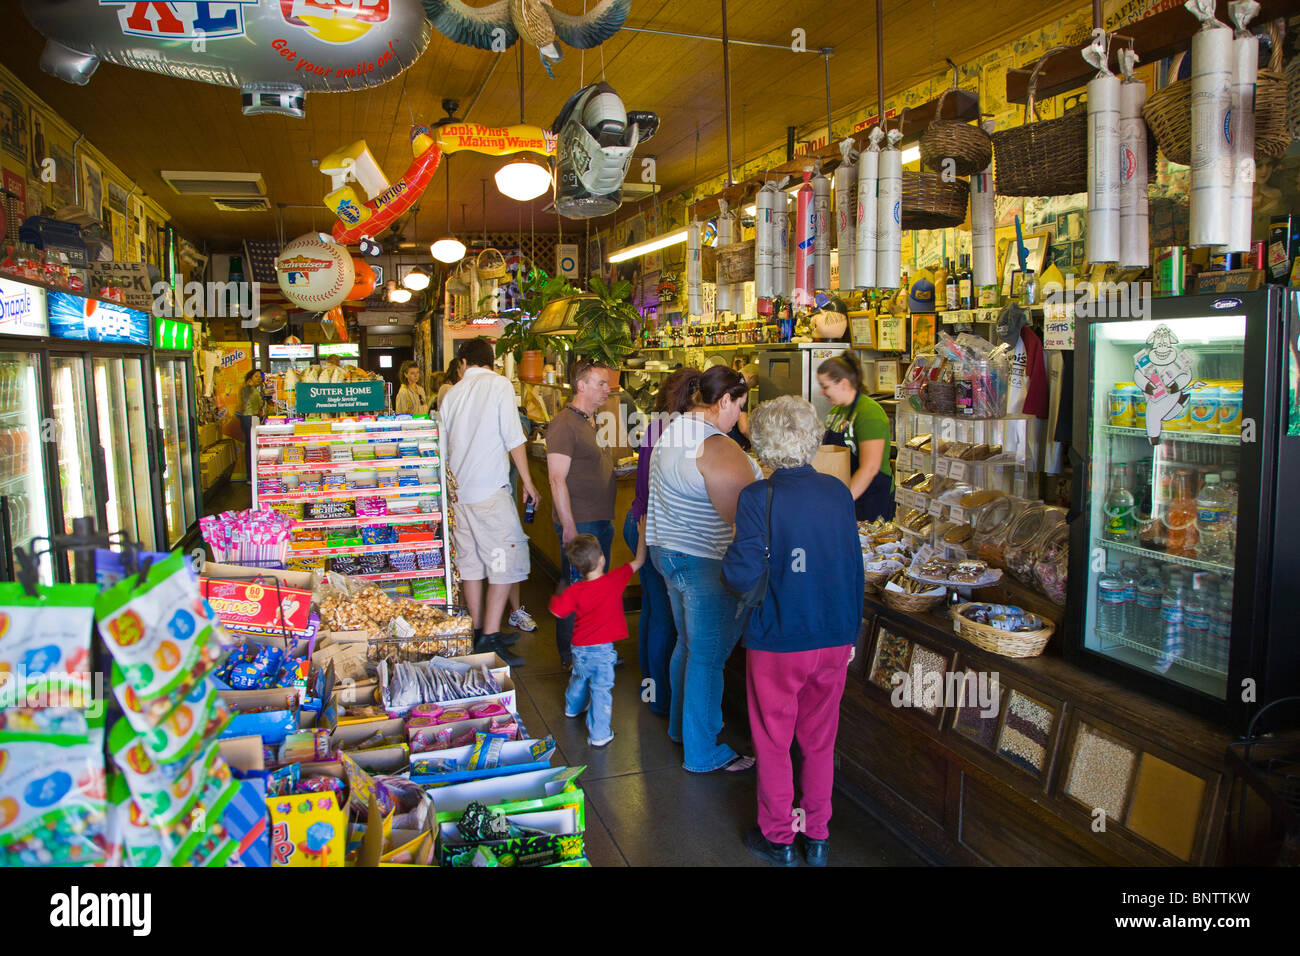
(339, 398)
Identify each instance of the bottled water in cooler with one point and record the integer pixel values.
(1171, 620)
(1215, 527)
(1221, 626)
(1146, 608)
(1112, 601)
(1196, 623)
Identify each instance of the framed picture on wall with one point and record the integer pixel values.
(1036, 244)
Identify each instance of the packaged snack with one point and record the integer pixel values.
(45, 645)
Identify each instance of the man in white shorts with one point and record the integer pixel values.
(481, 423)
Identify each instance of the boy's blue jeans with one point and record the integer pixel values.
(591, 686)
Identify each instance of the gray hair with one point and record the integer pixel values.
(785, 432)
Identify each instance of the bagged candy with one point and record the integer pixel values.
(159, 633)
(45, 651)
(52, 801)
(486, 752)
(424, 739)
(168, 799)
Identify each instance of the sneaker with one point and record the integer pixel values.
(522, 620)
(778, 854)
(815, 852)
(494, 644)
(574, 716)
(599, 743)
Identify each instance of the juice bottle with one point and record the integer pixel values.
(1180, 516)
(1121, 406)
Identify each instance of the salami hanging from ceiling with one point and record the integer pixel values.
(273, 51)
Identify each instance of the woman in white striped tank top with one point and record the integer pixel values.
(696, 475)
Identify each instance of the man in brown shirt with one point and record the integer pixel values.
(582, 480)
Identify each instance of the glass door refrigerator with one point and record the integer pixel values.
(177, 424)
(1177, 547)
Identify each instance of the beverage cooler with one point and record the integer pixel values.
(1183, 569)
(77, 439)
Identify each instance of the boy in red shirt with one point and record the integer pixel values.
(597, 601)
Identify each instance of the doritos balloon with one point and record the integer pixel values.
(359, 218)
(272, 51)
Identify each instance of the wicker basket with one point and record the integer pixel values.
(1293, 96)
(1043, 157)
(931, 203)
(912, 603)
(491, 264)
(876, 581)
(735, 263)
(968, 146)
(996, 641)
(1168, 111)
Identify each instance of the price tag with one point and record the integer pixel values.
(957, 513)
(907, 459)
(941, 467)
(957, 470)
(917, 501)
(956, 625)
(936, 508)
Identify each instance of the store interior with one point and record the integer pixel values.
(243, 244)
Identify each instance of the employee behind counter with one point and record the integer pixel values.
(856, 421)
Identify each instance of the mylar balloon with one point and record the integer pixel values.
(365, 280)
(360, 218)
(272, 319)
(272, 51)
(313, 274)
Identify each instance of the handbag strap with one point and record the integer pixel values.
(767, 538)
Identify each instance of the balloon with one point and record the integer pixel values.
(496, 140)
(334, 324)
(273, 318)
(313, 274)
(273, 51)
(590, 174)
(359, 219)
(365, 280)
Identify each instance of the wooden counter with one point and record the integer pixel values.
(541, 533)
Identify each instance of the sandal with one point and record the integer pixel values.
(738, 764)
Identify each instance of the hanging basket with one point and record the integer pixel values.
(491, 264)
(968, 146)
(931, 203)
(1293, 97)
(1043, 157)
(1168, 111)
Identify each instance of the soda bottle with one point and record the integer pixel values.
(1196, 623)
(1221, 626)
(1213, 522)
(1150, 590)
(1111, 593)
(1121, 521)
(1180, 517)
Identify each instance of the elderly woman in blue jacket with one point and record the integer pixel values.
(801, 638)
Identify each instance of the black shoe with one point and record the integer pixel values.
(508, 637)
(816, 851)
(618, 660)
(492, 643)
(567, 665)
(778, 854)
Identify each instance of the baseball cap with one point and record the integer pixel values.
(920, 298)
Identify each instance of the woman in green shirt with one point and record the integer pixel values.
(858, 422)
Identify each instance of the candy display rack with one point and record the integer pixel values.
(367, 496)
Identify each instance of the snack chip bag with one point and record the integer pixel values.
(159, 632)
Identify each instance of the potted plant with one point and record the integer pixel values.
(605, 325)
(536, 289)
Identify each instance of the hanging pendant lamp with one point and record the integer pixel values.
(448, 249)
(523, 178)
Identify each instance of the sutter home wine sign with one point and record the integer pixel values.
(341, 397)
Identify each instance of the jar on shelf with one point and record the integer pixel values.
(993, 523)
(1051, 569)
(1025, 538)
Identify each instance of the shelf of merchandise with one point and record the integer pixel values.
(1157, 652)
(373, 464)
(361, 434)
(397, 519)
(1164, 556)
(397, 548)
(344, 493)
(1208, 438)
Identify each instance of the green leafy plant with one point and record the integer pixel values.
(536, 290)
(605, 324)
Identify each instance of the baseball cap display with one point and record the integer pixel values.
(920, 297)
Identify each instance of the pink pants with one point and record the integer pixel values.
(795, 696)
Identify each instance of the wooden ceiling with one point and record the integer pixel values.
(146, 123)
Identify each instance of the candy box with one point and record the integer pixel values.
(561, 840)
(272, 724)
(517, 793)
(310, 829)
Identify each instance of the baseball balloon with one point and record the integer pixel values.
(315, 275)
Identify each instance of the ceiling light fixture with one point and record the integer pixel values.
(523, 178)
(417, 280)
(448, 249)
(399, 295)
(650, 245)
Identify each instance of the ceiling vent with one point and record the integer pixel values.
(260, 204)
(201, 183)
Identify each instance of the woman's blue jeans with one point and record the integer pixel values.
(707, 632)
(656, 631)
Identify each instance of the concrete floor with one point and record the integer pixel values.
(643, 809)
